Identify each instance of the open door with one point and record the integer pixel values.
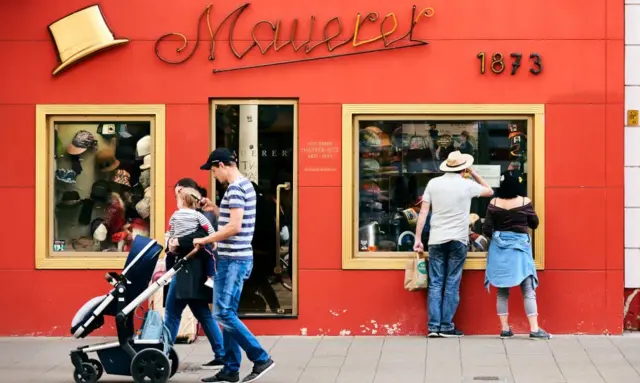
(263, 135)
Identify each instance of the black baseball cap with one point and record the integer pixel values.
(218, 155)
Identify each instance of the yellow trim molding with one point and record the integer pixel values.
(46, 115)
(351, 113)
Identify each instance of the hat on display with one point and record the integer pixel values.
(219, 155)
(70, 198)
(139, 226)
(115, 215)
(369, 138)
(406, 241)
(145, 178)
(147, 192)
(82, 244)
(82, 141)
(125, 150)
(123, 132)
(146, 163)
(72, 46)
(386, 245)
(98, 229)
(107, 130)
(383, 138)
(66, 175)
(370, 165)
(478, 242)
(122, 177)
(100, 190)
(456, 162)
(144, 207)
(473, 218)
(106, 160)
(143, 147)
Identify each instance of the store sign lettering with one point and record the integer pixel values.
(333, 40)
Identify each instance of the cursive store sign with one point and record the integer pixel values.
(333, 37)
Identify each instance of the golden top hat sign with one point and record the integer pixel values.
(80, 35)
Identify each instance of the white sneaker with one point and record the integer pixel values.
(209, 283)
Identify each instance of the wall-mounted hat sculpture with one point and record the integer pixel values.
(80, 35)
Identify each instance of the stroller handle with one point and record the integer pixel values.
(193, 252)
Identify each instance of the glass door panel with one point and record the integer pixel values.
(262, 135)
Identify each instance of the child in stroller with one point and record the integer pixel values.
(147, 356)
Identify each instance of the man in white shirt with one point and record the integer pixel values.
(449, 198)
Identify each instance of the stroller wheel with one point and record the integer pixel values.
(98, 367)
(175, 361)
(87, 374)
(150, 365)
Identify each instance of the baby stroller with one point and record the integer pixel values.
(146, 357)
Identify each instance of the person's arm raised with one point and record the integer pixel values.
(487, 190)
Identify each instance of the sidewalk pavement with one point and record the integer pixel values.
(580, 359)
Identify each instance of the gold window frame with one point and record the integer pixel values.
(213, 102)
(352, 258)
(46, 116)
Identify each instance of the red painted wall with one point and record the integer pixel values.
(581, 44)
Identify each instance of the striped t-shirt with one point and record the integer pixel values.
(239, 195)
(186, 221)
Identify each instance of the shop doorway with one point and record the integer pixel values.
(263, 135)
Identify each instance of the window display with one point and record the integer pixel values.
(101, 185)
(398, 156)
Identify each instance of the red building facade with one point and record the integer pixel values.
(558, 79)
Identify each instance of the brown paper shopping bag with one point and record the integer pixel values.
(415, 274)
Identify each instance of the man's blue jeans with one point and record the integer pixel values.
(227, 287)
(200, 309)
(446, 261)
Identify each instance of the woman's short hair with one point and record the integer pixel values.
(510, 185)
(187, 183)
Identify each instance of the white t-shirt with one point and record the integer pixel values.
(450, 198)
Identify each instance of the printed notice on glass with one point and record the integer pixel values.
(490, 173)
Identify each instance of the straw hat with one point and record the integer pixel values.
(81, 34)
(456, 162)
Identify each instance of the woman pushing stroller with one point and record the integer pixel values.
(189, 286)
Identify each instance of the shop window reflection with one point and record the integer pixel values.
(396, 160)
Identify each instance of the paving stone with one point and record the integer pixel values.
(319, 374)
(567, 359)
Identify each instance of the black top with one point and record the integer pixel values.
(519, 219)
(190, 279)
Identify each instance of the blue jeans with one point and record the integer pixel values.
(227, 287)
(446, 261)
(200, 309)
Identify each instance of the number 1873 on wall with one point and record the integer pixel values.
(498, 64)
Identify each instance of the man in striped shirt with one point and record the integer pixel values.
(234, 264)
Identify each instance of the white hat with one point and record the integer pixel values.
(144, 207)
(100, 234)
(146, 163)
(143, 147)
(456, 162)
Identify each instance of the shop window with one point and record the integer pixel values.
(99, 183)
(391, 152)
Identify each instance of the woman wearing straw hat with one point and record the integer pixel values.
(510, 261)
(449, 198)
